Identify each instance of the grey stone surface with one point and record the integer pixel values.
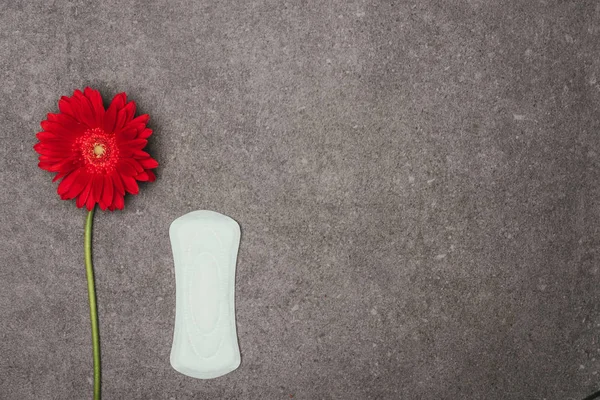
(416, 181)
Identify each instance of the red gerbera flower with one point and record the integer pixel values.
(98, 153)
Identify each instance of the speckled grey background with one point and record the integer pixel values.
(416, 181)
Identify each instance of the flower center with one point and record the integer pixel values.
(98, 150)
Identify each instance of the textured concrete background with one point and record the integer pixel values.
(416, 181)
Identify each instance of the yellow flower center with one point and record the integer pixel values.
(99, 150)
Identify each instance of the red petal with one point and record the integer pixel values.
(126, 169)
(139, 123)
(66, 183)
(142, 177)
(77, 187)
(131, 185)
(146, 176)
(151, 176)
(83, 109)
(53, 159)
(49, 166)
(141, 119)
(125, 115)
(89, 204)
(67, 122)
(38, 147)
(63, 119)
(145, 134)
(110, 117)
(126, 152)
(46, 136)
(120, 119)
(97, 104)
(148, 163)
(118, 201)
(128, 133)
(118, 183)
(53, 117)
(135, 164)
(134, 144)
(140, 154)
(55, 145)
(70, 164)
(65, 107)
(82, 198)
(96, 193)
(130, 109)
(107, 192)
(68, 130)
(52, 152)
(60, 175)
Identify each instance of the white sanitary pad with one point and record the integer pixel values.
(205, 245)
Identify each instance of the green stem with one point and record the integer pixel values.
(89, 271)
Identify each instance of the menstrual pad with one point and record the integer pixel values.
(205, 245)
